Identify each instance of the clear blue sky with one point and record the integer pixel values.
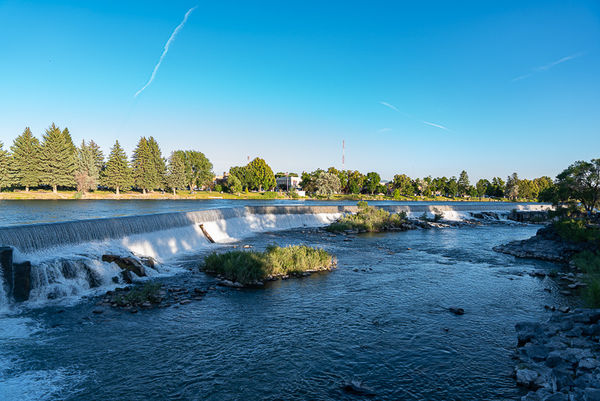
(510, 86)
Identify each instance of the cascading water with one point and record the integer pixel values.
(66, 257)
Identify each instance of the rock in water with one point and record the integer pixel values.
(457, 311)
(126, 263)
(355, 387)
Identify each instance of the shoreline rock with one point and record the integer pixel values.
(558, 359)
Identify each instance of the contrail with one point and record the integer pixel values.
(436, 125)
(547, 66)
(391, 106)
(164, 53)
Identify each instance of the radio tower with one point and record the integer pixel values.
(343, 153)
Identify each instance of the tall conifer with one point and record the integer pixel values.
(58, 159)
(176, 172)
(26, 160)
(117, 173)
(6, 178)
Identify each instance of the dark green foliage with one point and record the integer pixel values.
(159, 164)
(149, 292)
(403, 183)
(6, 178)
(26, 160)
(176, 178)
(58, 159)
(117, 174)
(372, 182)
(145, 175)
(198, 169)
(581, 182)
(249, 267)
(87, 175)
(463, 183)
(577, 230)
(234, 185)
(369, 219)
(255, 175)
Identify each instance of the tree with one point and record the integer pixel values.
(175, 177)
(6, 178)
(97, 155)
(463, 183)
(581, 182)
(145, 175)
(497, 188)
(58, 158)
(452, 187)
(403, 183)
(234, 184)
(261, 175)
(88, 173)
(160, 167)
(481, 187)
(198, 169)
(328, 184)
(309, 180)
(512, 187)
(117, 174)
(372, 182)
(26, 160)
(355, 182)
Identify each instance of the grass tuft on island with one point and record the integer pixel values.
(253, 267)
(370, 219)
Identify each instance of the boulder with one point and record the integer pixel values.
(128, 263)
(21, 281)
(457, 311)
(527, 378)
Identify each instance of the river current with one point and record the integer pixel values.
(380, 321)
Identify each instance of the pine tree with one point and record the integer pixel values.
(98, 155)
(176, 172)
(58, 160)
(117, 174)
(88, 173)
(26, 160)
(6, 178)
(144, 169)
(160, 168)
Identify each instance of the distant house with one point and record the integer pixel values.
(221, 179)
(288, 182)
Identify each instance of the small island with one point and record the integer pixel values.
(253, 268)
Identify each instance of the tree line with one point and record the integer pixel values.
(55, 162)
(332, 181)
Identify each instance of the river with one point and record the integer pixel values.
(380, 319)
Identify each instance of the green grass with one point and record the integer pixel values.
(591, 293)
(247, 267)
(577, 230)
(369, 219)
(589, 263)
(149, 292)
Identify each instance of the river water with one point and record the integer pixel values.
(380, 319)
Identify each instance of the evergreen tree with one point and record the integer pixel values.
(6, 178)
(512, 187)
(58, 160)
(26, 160)
(176, 172)
(145, 176)
(88, 173)
(160, 167)
(117, 174)
(97, 154)
(463, 183)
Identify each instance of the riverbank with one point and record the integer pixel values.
(203, 195)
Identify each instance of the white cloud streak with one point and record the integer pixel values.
(436, 125)
(547, 66)
(166, 49)
(391, 106)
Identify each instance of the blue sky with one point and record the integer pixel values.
(412, 87)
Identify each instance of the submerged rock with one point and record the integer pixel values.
(355, 387)
(457, 311)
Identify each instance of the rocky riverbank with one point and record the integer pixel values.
(545, 245)
(558, 359)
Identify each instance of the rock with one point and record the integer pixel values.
(356, 388)
(527, 377)
(564, 309)
(229, 283)
(127, 263)
(133, 310)
(457, 311)
(591, 394)
(98, 311)
(148, 261)
(526, 331)
(588, 364)
(185, 302)
(21, 273)
(557, 397)
(247, 246)
(146, 305)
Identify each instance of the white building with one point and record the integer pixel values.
(287, 182)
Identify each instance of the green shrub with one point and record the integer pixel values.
(577, 230)
(270, 195)
(247, 267)
(370, 219)
(149, 292)
(588, 262)
(591, 294)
